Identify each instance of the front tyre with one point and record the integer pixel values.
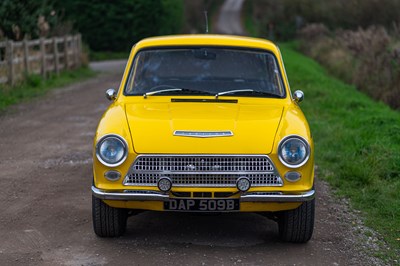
(297, 225)
(108, 221)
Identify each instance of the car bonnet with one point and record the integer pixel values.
(181, 127)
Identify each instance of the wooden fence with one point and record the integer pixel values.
(41, 56)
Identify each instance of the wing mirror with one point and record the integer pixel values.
(111, 94)
(298, 96)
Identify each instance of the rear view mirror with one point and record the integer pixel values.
(204, 54)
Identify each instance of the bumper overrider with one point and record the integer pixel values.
(142, 195)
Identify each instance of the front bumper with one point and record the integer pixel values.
(244, 197)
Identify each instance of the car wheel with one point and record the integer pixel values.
(108, 221)
(297, 225)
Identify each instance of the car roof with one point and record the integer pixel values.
(207, 40)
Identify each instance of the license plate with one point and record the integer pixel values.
(202, 205)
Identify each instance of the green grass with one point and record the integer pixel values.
(249, 24)
(35, 86)
(357, 142)
(101, 56)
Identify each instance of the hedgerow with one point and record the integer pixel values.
(116, 26)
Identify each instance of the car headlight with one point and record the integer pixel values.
(111, 150)
(294, 151)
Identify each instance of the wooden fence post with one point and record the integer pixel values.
(75, 53)
(29, 64)
(66, 59)
(55, 57)
(79, 50)
(10, 59)
(43, 52)
(26, 57)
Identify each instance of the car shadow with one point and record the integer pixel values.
(220, 230)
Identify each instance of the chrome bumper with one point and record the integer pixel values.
(299, 197)
(158, 196)
(130, 195)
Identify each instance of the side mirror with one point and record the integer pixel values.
(298, 96)
(111, 94)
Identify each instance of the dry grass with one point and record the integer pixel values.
(368, 58)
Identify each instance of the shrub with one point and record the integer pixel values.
(280, 19)
(26, 18)
(366, 58)
(115, 26)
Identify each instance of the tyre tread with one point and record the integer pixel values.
(108, 221)
(297, 225)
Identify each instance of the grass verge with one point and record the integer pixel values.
(249, 24)
(357, 145)
(34, 86)
(101, 56)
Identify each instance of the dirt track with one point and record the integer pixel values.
(45, 203)
(229, 20)
(45, 218)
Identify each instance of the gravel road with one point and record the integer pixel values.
(229, 20)
(45, 202)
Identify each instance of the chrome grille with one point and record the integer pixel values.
(202, 164)
(202, 180)
(202, 171)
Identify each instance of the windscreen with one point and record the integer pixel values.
(207, 71)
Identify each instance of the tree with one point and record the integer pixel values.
(116, 26)
(19, 18)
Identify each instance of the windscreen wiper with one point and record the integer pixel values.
(231, 92)
(173, 88)
(159, 91)
(264, 93)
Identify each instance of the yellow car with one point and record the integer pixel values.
(204, 123)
